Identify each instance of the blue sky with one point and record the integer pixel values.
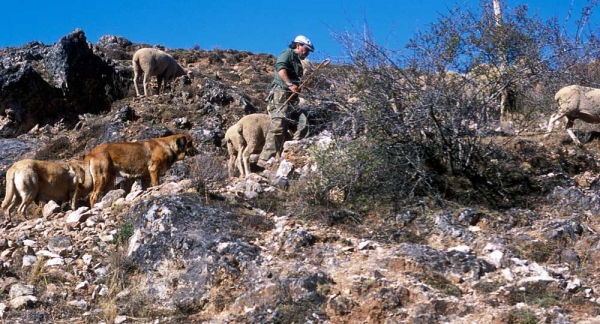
(255, 26)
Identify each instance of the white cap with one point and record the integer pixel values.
(304, 40)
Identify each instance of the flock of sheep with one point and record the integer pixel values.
(32, 180)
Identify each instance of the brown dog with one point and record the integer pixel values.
(33, 180)
(146, 160)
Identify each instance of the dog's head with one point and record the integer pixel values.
(185, 146)
(76, 167)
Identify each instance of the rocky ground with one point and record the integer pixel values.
(201, 247)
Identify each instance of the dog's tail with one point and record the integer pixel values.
(93, 178)
(9, 196)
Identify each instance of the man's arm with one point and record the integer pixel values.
(283, 74)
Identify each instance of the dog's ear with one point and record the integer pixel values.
(181, 144)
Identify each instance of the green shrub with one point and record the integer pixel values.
(364, 170)
(124, 233)
(521, 316)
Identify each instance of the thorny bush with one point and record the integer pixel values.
(419, 121)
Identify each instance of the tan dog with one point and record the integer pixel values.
(33, 180)
(146, 160)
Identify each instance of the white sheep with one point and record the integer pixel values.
(244, 138)
(576, 102)
(154, 62)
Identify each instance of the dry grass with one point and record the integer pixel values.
(520, 316)
(119, 279)
(38, 272)
(206, 169)
(260, 223)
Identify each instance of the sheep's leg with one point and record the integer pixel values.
(230, 165)
(166, 84)
(246, 160)
(551, 122)
(246, 149)
(135, 83)
(569, 128)
(159, 80)
(240, 163)
(146, 81)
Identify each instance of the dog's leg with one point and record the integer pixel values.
(25, 202)
(93, 198)
(75, 197)
(569, 128)
(128, 183)
(110, 182)
(28, 190)
(10, 196)
(97, 189)
(154, 170)
(146, 182)
(15, 201)
(99, 181)
(77, 193)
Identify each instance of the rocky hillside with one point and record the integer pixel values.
(202, 247)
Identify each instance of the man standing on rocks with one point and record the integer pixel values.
(283, 97)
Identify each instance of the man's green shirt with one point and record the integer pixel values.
(289, 60)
